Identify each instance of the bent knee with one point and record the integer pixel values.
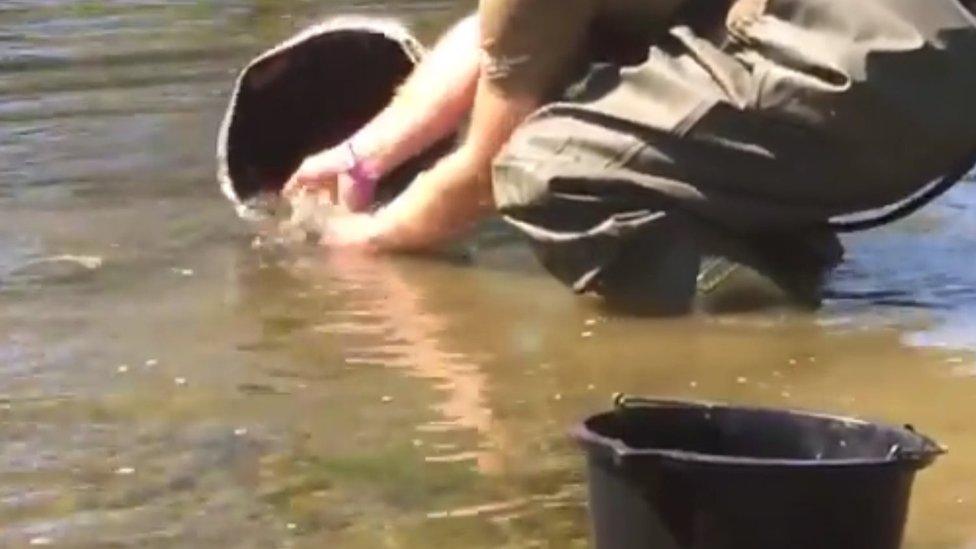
(552, 147)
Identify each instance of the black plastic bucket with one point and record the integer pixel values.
(684, 475)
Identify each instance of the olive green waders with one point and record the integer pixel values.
(742, 146)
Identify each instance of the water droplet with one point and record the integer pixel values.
(125, 471)
(240, 431)
(586, 334)
(291, 526)
(590, 322)
(741, 380)
(557, 396)
(792, 362)
(152, 362)
(122, 368)
(387, 399)
(40, 540)
(693, 384)
(180, 381)
(591, 387)
(785, 394)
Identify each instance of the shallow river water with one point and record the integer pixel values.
(164, 384)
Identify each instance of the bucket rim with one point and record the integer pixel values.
(621, 453)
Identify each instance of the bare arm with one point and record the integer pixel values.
(456, 193)
(428, 107)
(522, 64)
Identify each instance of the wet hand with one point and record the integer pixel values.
(354, 231)
(329, 173)
(319, 173)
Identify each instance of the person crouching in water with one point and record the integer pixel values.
(647, 148)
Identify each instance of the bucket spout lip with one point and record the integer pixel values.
(620, 453)
(925, 456)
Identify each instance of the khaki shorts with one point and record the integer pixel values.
(741, 147)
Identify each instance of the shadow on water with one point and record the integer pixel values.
(163, 383)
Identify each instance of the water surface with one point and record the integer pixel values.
(164, 384)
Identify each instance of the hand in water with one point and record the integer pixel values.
(319, 172)
(354, 231)
(313, 214)
(328, 172)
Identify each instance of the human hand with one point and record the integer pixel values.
(337, 173)
(353, 231)
(318, 173)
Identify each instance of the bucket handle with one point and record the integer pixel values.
(623, 402)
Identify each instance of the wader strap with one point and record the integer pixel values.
(910, 205)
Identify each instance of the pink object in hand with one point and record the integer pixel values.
(360, 194)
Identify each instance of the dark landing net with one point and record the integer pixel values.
(309, 96)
